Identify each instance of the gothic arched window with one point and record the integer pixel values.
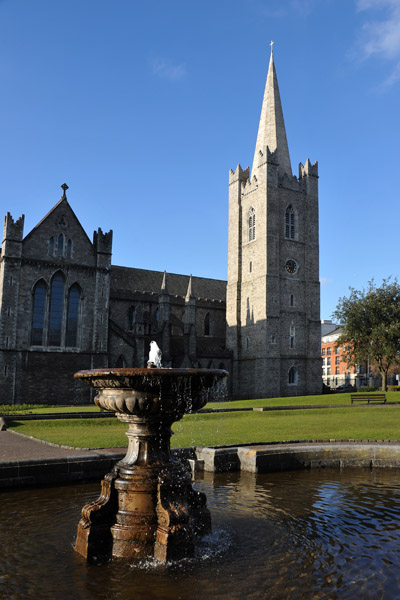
(39, 308)
(292, 335)
(56, 310)
(69, 248)
(121, 362)
(207, 324)
(60, 245)
(132, 317)
(290, 223)
(71, 332)
(252, 224)
(292, 376)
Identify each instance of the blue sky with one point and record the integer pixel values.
(143, 107)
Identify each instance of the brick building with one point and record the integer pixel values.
(335, 370)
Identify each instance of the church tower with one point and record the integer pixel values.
(273, 318)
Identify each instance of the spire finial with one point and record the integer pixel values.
(164, 283)
(64, 188)
(272, 47)
(189, 289)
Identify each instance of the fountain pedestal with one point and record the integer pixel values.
(147, 506)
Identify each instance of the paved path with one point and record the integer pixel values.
(25, 462)
(14, 447)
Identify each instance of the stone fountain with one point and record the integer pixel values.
(147, 506)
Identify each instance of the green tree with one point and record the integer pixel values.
(371, 321)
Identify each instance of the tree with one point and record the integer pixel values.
(371, 321)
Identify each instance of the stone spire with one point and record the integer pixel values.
(189, 294)
(164, 289)
(271, 130)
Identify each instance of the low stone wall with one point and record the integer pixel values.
(288, 457)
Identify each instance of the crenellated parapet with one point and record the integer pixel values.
(102, 242)
(239, 174)
(308, 169)
(13, 230)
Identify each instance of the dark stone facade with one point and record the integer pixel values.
(64, 307)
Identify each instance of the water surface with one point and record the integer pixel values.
(320, 534)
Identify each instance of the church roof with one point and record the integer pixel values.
(126, 278)
(271, 129)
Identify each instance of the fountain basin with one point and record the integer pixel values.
(148, 391)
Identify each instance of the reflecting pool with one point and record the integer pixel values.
(320, 534)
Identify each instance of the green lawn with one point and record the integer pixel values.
(323, 399)
(374, 422)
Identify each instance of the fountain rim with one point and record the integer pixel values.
(147, 372)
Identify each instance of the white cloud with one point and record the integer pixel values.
(380, 37)
(164, 68)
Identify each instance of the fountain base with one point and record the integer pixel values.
(143, 511)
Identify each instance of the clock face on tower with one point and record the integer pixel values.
(291, 266)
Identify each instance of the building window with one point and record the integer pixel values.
(337, 349)
(291, 300)
(69, 248)
(74, 296)
(207, 324)
(132, 317)
(292, 376)
(337, 370)
(292, 335)
(290, 223)
(252, 224)
(337, 360)
(323, 351)
(121, 362)
(328, 371)
(39, 307)
(273, 339)
(56, 310)
(250, 267)
(328, 351)
(328, 361)
(60, 245)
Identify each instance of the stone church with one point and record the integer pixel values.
(64, 307)
(273, 296)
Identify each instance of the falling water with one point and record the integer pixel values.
(155, 355)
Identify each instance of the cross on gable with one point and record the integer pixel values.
(64, 187)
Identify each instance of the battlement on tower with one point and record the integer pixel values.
(308, 170)
(102, 242)
(13, 230)
(239, 174)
